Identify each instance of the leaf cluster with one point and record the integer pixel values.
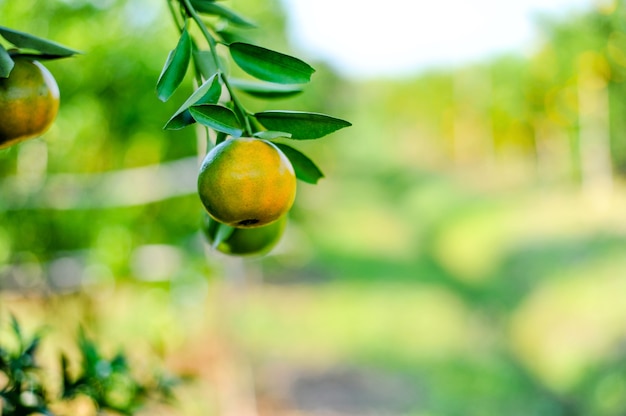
(33, 47)
(23, 392)
(108, 382)
(215, 103)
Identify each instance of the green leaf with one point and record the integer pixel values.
(119, 362)
(222, 233)
(218, 118)
(210, 7)
(28, 41)
(207, 93)
(6, 63)
(205, 64)
(17, 330)
(31, 348)
(229, 36)
(68, 389)
(266, 89)
(89, 352)
(304, 167)
(175, 67)
(4, 360)
(269, 65)
(179, 120)
(271, 135)
(301, 125)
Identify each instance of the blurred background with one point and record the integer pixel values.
(464, 255)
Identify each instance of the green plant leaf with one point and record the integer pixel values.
(268, 65)
(205, 64)
(31, 349)
(17, 330)
(4, 359)
(179, 120)
(89, 353)
(175, 67)
(217, 117)
(222, 233)
(271, 135)
(6, 63)
(266, 89)
(68, 389)
(229, 36)
(119, 362)
(44, 46)
(207, 93)
(210, 7)
(304, 167)
(301, 125)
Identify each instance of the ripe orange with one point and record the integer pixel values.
(29, 102)
(247, 241)
(246, 182)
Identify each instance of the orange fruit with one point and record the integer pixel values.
(29, 102)
(245, 182)
(247, 241)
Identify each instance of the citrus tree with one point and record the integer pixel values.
(247, 180)
(246, 183)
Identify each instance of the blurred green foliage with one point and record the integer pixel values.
(108, 383)
(468, 234)
(76, 191)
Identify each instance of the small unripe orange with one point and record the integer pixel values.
(246, 182)
(29, 102)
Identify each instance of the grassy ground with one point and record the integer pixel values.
(440, 301)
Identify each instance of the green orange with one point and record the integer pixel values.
(246, 241)
(246, 182)
(29, 102)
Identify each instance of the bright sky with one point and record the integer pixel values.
(362, 38)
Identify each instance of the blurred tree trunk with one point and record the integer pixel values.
(472, 140)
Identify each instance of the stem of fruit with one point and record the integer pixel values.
(241, 112)
(205, 31)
